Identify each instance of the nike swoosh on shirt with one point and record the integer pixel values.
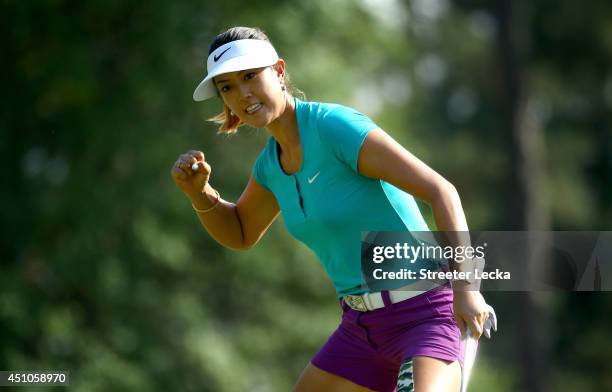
(311, 179)
(216, 58)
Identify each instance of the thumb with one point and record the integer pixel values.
(475, 328)
(201, 175)
(201, 168)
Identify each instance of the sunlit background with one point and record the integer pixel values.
(105, 270)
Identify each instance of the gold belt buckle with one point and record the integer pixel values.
(356, 302)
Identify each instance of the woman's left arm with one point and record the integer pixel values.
(381, 157)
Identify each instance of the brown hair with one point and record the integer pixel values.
(227, 121)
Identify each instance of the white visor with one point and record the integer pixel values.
(231, 57)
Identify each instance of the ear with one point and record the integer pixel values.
(279, 68)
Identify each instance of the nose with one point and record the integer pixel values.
(245, 91)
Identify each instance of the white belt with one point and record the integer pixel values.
(372, 301)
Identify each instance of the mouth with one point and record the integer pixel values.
(253, 108)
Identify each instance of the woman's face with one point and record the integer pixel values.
(254, 95)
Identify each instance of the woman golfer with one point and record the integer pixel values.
(333, 173)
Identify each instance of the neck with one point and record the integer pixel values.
(284, 129)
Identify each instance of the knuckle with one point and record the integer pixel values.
(196, 153)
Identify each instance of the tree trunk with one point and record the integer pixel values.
(527, 199)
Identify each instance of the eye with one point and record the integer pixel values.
(250, 75)
(224, 89)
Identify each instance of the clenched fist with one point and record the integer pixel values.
(191, 174)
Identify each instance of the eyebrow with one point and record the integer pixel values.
(225, 80)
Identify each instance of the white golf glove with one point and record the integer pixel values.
(490, 323)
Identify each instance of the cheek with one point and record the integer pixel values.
(274, 96)
(230, 103)
(271, 85)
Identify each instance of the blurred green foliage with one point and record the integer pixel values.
(105, 270)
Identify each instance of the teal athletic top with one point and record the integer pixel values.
(326, 204)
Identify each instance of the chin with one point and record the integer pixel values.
(258, 122)
(255, 124)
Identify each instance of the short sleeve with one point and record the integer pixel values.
(259, 172)
(343, 130)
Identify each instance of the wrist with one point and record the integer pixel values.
(467, 272)
(461, 286)
(206, 199)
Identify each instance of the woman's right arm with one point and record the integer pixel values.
(238, 225)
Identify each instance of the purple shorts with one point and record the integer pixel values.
(368, 348)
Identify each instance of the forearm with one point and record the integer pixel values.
(450, 220)
(447, 210)
(221, 221)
